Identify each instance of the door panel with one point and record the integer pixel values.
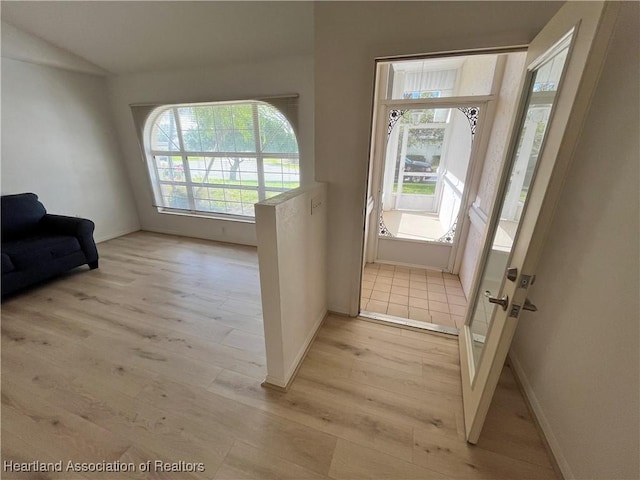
(542, 92)
(563, 62)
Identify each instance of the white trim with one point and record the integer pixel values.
(455, 53)
(564, 42)
(454, 185)
(540, 417)
(111, 236)
(211, 185)
(409, 265)
(478, 218)
(414, 240)
(272, 381)
(407, 322)
(440, 102)
(213, 238)
(189, 153)
(302, 353)
(285, 383)
(202, 214)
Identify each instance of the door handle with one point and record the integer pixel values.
(503, 302)
(529, 306)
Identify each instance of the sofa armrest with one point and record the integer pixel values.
(81, 228)
(67, 225)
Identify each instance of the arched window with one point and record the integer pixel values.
(220, 158)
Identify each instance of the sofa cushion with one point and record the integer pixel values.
(36, 250)
(20, 214)
(7, 265)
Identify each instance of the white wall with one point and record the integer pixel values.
(578, 355)
(20, 45)
(348, 37)
(58, 141)
(458, 148)
(227, 82)
(413, 253)
(292, 251)
(476, 76)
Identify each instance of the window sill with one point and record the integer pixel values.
(208, 216)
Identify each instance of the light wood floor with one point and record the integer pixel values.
(159, 354)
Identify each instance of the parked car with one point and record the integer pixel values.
(416, 163)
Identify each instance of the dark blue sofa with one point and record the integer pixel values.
(37, 246)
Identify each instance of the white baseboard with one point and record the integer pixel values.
(111, 236)
(305, 347)
(338, 310)
(408, 265)
(283, 384)
(213, 238)
(545, 426)
(271, 382)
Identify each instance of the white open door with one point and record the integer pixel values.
(563, 64)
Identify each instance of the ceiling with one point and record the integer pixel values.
(130, 36)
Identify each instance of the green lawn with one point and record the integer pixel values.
(250, 183)
(417, 188)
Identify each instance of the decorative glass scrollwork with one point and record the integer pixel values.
(383, 231)
(394, 116)
(449, 236)
(472, 114)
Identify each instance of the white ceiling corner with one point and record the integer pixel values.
(129, 37)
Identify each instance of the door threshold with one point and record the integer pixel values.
(407, 322)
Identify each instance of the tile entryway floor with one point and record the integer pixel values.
(413, 293)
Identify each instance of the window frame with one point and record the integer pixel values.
(189, 184)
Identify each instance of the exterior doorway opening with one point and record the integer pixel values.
(432, 124)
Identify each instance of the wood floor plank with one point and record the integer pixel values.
(305, 446)
(415, 386)
(98, 400)
(159, 354)
(161, 467)
(511, 431)
(68, 436)
(457, 459)
(353, 461)
(347, 421)
(388, 338)
(245, 462)
(333, 344)
(429, 411)
(17, 450)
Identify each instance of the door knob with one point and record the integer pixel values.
(503, 302)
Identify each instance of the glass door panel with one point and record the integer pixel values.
(532, 131)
